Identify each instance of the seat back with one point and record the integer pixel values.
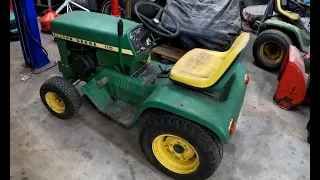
(279, 9)
(235, 55)
(238, 45)
(202, 68)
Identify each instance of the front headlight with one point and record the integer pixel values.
(246, 79)
(149, 59)
(232, 127)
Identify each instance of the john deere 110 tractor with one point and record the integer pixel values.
(192, 106)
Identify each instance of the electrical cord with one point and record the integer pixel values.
(37, 42)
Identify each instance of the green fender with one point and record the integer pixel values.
(169, 99)
(301, 35)
(198, 107)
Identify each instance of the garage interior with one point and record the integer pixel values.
(269, 143)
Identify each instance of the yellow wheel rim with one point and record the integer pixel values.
(175, 154)
(271, 52)
(55, 102)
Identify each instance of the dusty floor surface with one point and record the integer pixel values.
(269, 144)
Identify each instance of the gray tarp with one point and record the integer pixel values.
(205, 23)
(254, 13)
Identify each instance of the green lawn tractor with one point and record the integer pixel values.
(13, 27)
(278, 29)
(190, 108)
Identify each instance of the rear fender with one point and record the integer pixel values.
(215, 115)
(299, 36)
(188, 104)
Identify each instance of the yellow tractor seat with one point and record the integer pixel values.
(202, 68)
(289, 14)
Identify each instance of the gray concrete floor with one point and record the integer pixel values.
(269, 144)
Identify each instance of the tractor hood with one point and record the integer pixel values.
(91, 26)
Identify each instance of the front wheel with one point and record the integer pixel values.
(60, 97)
(180, 148)
(270, 48)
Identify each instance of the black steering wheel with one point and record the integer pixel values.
(298, 9)
(154, 24)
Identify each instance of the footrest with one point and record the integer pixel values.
(98, 91)
(120, 112)
(99, 96)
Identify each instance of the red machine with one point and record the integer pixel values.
(45, 20)
(115, 11)
(11, 8)
(293, 81)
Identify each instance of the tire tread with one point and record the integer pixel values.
(211, 144)
(284, 38)
(70, 93)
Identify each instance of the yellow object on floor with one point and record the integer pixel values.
(202, 68)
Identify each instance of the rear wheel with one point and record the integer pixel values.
(270, 48)
(180, 148)
(60, 97)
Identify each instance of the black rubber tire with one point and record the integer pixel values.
(66, 91)
(270, 35)
(107, 4)
(206, 143)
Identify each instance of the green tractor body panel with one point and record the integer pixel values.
(86, 28)
(124, 96)
(13, 28)
(205, 110)
(214, 112)
(302, 36)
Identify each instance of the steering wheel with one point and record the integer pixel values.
(154, 24)
(298, 9)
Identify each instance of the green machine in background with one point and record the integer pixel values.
(189, 109)
(13, 26)
(276, 31)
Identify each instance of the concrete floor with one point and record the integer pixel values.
(269, 144)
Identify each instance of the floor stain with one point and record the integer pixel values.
(230, 148)
(251, 168)
(132, 171)
(87, 154)
(125, 153)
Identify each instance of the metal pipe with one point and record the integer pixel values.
(128, 9)
(115, 8)
(66, 4)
